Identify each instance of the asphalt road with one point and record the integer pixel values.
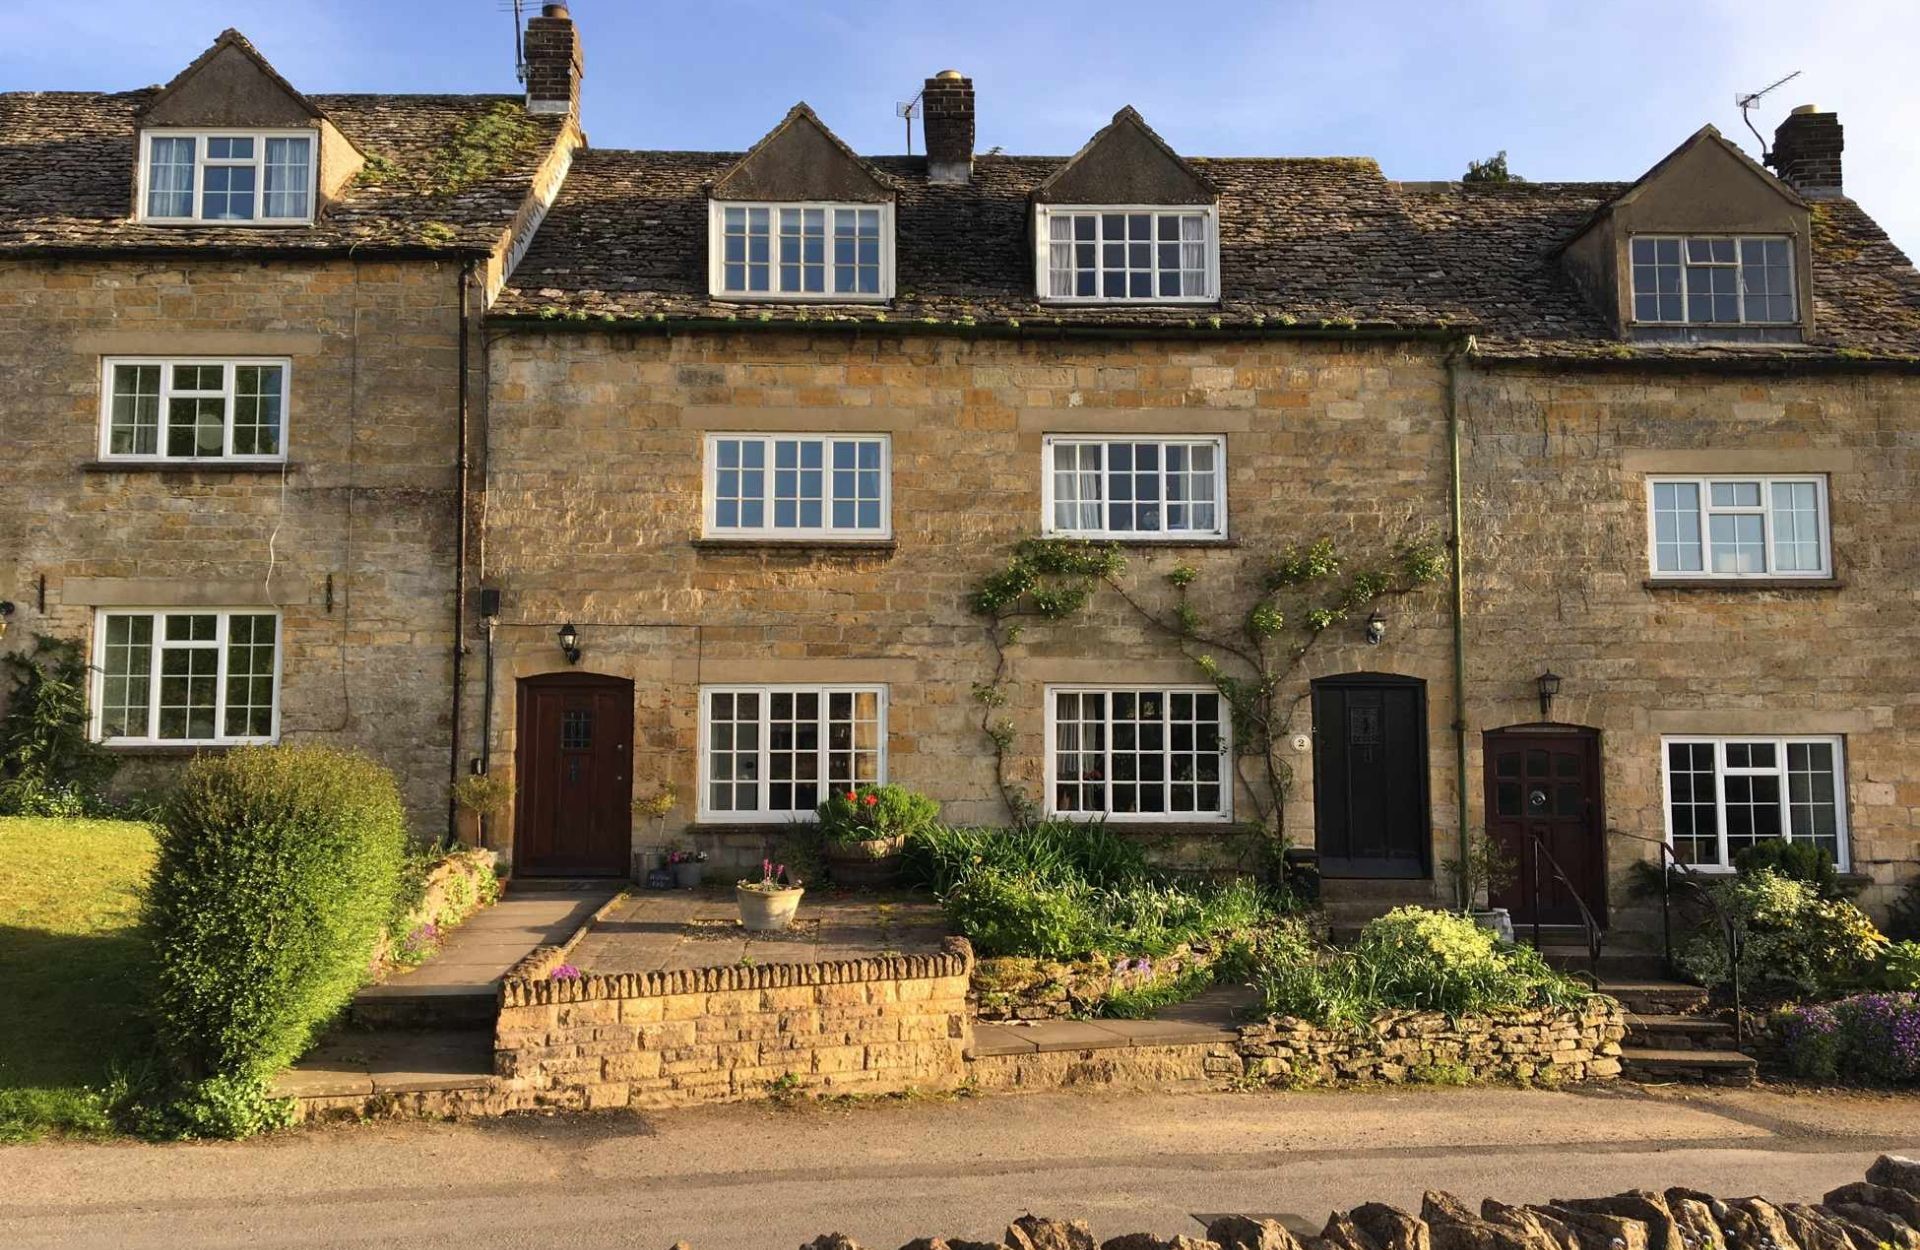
(752, 1177)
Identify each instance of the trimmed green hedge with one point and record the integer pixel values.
(279, 868)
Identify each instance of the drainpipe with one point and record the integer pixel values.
(1457, 546)
(459, 552)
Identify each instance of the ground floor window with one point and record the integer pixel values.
(1133, 754)
(186, 676)
(1726, 794)
(771, 753)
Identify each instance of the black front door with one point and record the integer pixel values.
(1370, 810)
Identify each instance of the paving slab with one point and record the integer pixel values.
(478, 953)
(677, 930)
(350, 1063)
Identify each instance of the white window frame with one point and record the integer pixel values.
(705, 810)
(826, 531)
(1228, 777)
(1843, 858)
(1739, 281)
(1043, 215)
(97, 675)
(258, 162)
(1216, 534)
(716, 254)
(229, 366)
(1704, 484)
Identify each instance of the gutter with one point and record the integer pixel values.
(460, 546)
(1040, 329)
(1457, 550)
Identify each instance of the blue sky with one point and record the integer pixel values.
(1571, 91)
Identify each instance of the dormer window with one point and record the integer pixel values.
(1713, 280)
(227, 177)
(1096, 254)
(780, 251)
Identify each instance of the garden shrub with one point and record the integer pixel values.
(1900, 967)
(1797, 861)
(1871, 1036)
(1412, 958)
(870, 813)
(279, 867)
(1903, 914)
(49, 764)
(1003, 913)
(939, 857)
(1794, 941)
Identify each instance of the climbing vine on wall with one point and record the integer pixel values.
(1250, 658)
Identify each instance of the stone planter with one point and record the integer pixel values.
(1496, 918)
(689, 873)
(767, 911)
(864, 864)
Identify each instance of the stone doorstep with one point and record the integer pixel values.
(353, 1064)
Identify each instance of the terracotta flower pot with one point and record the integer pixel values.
(767, 911)
(871, 863)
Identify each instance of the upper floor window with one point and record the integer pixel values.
(1727, 794)
(258, 177)
(802, 251)
(185, 676)
(1153, 255)
(1713, 280)
(1739, 526)
(798, 486)
(159, 409)
(1135, 488)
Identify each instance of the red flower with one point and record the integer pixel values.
(872, 799)
(852, 797)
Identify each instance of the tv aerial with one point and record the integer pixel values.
(1745, 102)
(906, 111)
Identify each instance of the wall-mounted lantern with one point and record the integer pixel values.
(6, 615)
(1376, 628)
(1548, 684)
(570, 643)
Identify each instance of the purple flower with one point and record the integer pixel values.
(1143, 964)
(565, 972)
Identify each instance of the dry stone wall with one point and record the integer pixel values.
(871, 1026)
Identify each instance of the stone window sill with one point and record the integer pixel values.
(1739, 584)
(190, 467)
(1168, 544)
(805, 546)
(168, 751)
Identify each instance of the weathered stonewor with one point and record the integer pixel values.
(1573, 1043)
(1882, 1212)
(659, 1039)
(1012, 987)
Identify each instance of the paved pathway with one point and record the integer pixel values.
(756, 1177)
(479, 952)
(671, 930)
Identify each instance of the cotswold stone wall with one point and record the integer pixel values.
(664, 1039)
(1013, 987)
(1883, 1210)
(353, 540)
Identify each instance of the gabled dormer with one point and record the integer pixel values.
(230, 142)
(1706, 247)
(801, 217)
(1127, 220)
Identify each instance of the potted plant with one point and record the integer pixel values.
(686, 867)
(655, 807)
(767, 905)
(476, 797)
(864, 830)
(1485, 870)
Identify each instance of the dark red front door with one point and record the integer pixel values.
(574, 814)
(1543, 789)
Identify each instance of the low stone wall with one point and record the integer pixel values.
(1015, 987)
(459, 885)
(663, 1039)
(1550, 1044)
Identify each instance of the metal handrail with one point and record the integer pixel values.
(1596, 936)
(1730, 938)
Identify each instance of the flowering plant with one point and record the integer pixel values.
(875, 813)
(773, 878)
(1871, 1035)
(565, 972)
(683, 856)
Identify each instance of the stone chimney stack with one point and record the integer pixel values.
(554, 64)
(946, 112)
(1806, 151)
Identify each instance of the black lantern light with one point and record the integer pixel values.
(1376, 628)
(1548, 684)
(570, 643)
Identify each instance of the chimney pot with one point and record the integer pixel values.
(1806, 151)
(946, 118)
(554, 61)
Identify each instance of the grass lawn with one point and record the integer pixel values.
(71, 956)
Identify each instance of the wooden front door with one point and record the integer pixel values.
(1543, 788)
(574, 815)
(1370, 811)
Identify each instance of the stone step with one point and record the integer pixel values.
(1707, 1067)
(1655, 997)
(1678, 1032)
(352, 1073)
(399, 1005)
(1614, 964)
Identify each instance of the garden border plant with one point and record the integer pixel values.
(49, 763)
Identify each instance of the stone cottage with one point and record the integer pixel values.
(743, 434)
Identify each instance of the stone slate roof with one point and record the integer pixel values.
(67, 170)
(1310, 243)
